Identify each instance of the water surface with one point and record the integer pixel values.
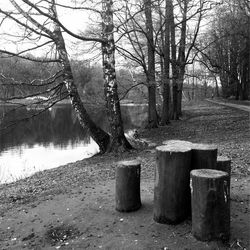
(51, 139)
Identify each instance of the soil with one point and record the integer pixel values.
(73, 206)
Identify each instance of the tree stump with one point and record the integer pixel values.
(224, 164)
(127, 195)
(171, 189)
(204, 156)
(210, 204)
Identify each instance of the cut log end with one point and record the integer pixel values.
(201, 146)
(178, 142)
(173, 148)
(208, 173)
(223, 159)
(129, 163)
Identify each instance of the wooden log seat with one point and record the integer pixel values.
(127, 194)
(210, 204)
(171, 189)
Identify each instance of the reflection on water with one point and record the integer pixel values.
(21, 162)
(52, 139)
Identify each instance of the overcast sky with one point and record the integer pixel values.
(74, 20)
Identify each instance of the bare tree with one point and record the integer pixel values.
(47, 15)
(152, 113)
(190, 9)
(136, 31)
(173, 61)
(165, 116)
(225, 48)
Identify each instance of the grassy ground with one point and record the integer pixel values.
(72, 207)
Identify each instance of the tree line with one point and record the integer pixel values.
(155, 40)
(225, 48)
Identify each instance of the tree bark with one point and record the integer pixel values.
(181, 58)
(174, 64)
(128, 186)
(165, 115)
(118, 139)
(210, 204)
(171, 190)
(216, 87)
(152, 113)
(245, 68)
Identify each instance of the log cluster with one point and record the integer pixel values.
(186, 174)
(204, 156)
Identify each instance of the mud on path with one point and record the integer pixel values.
(72, 207)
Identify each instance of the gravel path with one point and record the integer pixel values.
(233, 105)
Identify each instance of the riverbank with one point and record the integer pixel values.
(72, 207)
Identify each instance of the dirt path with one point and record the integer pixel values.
(72, 207)
(233, 105)
(87, 220)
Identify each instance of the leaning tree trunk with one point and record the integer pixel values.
(152, 113)
(99, 136)
(118, 139)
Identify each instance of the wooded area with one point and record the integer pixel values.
(166, 50)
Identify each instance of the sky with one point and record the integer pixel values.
(74, 20)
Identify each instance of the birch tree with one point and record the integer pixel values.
(47, 12)
(118, 140)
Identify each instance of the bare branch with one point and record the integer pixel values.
(25, 25)
(32, 20)
(83, 38)
(27, 57)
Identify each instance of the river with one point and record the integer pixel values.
(51, 139)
